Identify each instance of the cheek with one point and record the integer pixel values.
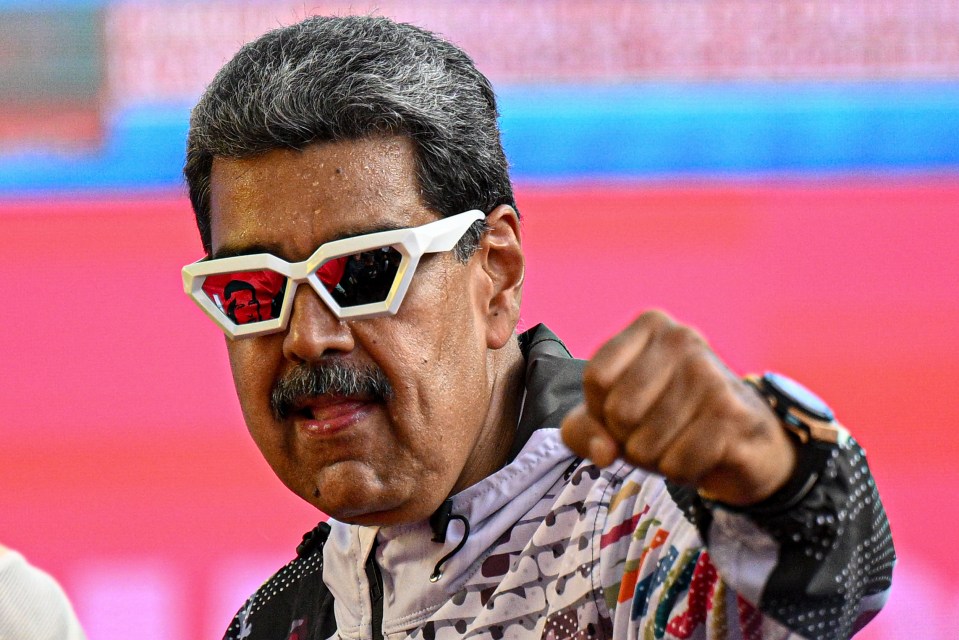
(443, 370)
(438, 331)
(252, 376)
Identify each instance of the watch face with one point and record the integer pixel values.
(799, 396)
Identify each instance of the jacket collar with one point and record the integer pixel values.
(553, 383)
(406, 554)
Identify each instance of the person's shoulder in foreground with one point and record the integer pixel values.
(32, 604)
(348, 172)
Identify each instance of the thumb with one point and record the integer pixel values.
(587, 437)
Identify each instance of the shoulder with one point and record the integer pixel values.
(32, 603)
(294, 602)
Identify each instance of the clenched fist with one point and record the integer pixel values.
(659, 398)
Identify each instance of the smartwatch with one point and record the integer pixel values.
(811, 423)
(799, 410)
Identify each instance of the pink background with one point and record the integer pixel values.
(125, 469)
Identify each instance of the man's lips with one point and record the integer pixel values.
(324, 417)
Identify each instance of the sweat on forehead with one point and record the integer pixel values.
(297, 199)
(348, 78)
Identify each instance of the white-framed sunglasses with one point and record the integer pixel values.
(359, 277)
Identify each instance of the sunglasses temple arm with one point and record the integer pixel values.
(445, 233)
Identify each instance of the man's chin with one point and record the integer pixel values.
(354, 491)
(374, 512)
(375, 519)
(372, 518)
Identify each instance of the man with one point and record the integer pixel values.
(685, 506)
(242, 306)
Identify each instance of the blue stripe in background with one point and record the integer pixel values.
(605, 132)
(144, 148)
(50, 5)
(682, 129)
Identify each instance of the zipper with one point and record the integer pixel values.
(375, 578)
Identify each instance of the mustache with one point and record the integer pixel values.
(307, 381)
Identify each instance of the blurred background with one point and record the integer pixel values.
(782, 175)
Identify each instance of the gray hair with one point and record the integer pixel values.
(345, 78)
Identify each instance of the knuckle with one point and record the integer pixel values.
(651, 322)
(704, 368)
(620, 412)
(683, 339)
(696, 371)
(639, 452)
(655, 318)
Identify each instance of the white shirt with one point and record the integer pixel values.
(33, 606)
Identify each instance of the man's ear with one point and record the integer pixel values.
(502, 265)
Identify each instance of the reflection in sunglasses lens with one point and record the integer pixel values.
(361, 278)
(247, 296)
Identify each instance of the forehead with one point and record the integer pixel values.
(288, 202)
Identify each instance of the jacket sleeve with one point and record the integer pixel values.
(824, 546)
(813, 561)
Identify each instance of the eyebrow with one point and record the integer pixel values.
(230, 251)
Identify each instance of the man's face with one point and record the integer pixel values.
(245, 307)
(362, 459)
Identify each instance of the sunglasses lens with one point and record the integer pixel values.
(247, 296)
(361, 278)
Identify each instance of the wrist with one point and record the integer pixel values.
(815, 436)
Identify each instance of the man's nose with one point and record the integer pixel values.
(313, 331)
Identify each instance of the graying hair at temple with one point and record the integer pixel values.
(346, 78)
